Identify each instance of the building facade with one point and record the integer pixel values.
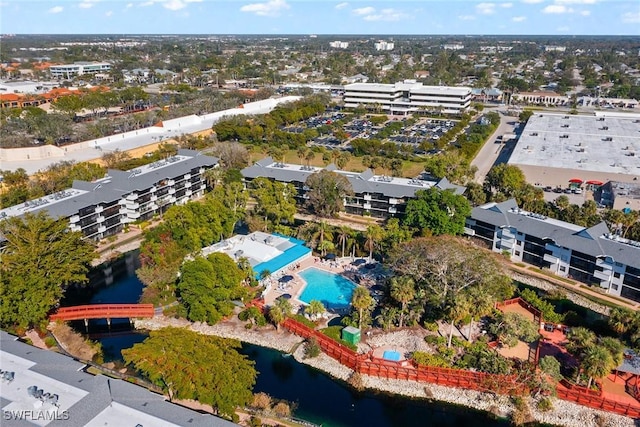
(408, 97)
(78, 69)
(374, 195)
(590, 255)
(102, 208)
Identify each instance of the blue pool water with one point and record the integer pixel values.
(333, 290)
(391, 355)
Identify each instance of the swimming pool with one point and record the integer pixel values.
(391, 355)
(333, 290)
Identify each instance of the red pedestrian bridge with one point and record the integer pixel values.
(103, 311)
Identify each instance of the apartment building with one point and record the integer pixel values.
(408, 97)
(338, 44)
(384, 45)
(591, 255)
(78, 68)
(101, 208)
(377, 196)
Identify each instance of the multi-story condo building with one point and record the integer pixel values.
(383, 45)
(101, 208)
(374, 195)
(408, 97)
(78, 69)
(591, 255)
(339, 45)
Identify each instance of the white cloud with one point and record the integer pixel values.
(269, 8)
(342, 5)
(56, 9)
(108, 14)
(585, 12)
(87, 4)
(364, 10)
(174, 4)
(129, 6)
(388, 15)
(506, 5)
(466, 17)
(532, 1)
(486, 8)
(574, 1)
(557, 9)
(631, 18)
(519, 18)
(147, 3)
(563, 29)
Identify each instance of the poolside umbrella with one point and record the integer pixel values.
(330, 256)
(285, 296)
(370, 266)
(576, 181)
(598, 183)
(287, 278)
(359, 261)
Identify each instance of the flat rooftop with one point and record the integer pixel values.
(590, 143)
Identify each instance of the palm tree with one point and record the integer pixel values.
(344, 234)
(302, 151)
(373, 235)
(457, 310)
(597, 363)
(310, 155)
(387, 317)
(615, 348)
(482, 305)
(620, 319)
(277, 316)
(361, 301)
(579, 341)
(315, 308)
(322, 232)
(403, 290)
(343, 159)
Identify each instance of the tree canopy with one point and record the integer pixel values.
(208, 286)
(440, 212)
(327, 191)
(188, 365)
(41, 258)
(275, 200)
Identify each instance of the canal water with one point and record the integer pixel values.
(317, 397)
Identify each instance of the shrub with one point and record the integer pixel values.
(261, 401)
(312, 349)
(300, 318)
(435, 340)
(431, 326)
(255, 422)
(428, 359)
(50, 342)
(282, 409)
(355, 381)
(334, 332)
(544, 405)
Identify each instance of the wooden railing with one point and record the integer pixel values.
(103, 311)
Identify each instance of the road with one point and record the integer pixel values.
(492, 153)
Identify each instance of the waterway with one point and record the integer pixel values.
(317, 397)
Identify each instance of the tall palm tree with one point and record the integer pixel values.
(620, 319)
(302, 151)
(310, 155)
(387, 317)
(343, 159)
(361, 301)
(323, 231)
(482, 305)
(373, 236)
(597, 363)
(457, 310)
(344, 234)
(403, 290)
(579, 341)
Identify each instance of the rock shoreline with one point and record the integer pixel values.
(563, 414)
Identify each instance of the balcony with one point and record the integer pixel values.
(551, 258)
(131, 197)
(100, 218)
(99, 209)
(603, 264)
(187, 176)
(74, 218)
(172, 191)
(393, 201)
(602, 275)
(134, 215)
(393, 209)
(187, 184)
(367, 196)
(506, 244)
(102, 229)
(367, 206)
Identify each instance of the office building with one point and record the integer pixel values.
(374, 195)
(555, 149)
(101, 208)
(591, 255)
(78, 69)
(408, 97)
(45, 388)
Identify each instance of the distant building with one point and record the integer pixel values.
(623, 196)
(552, 48)
(540, 98)
(383, 45)
(374, 195)
(591, 255)
(453, 46)
(101, 208)
(78, 69)
(339, 45)
(70, 396)
(408, 97)
(421, 74)
(358, 78)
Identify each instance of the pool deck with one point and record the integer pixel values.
(296, 286)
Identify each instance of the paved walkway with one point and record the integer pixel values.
(576, 287)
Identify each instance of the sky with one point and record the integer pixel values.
(467, 17)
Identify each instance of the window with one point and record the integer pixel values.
(616, 275)
(517, 253)
(614, 287)
(563, 269)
